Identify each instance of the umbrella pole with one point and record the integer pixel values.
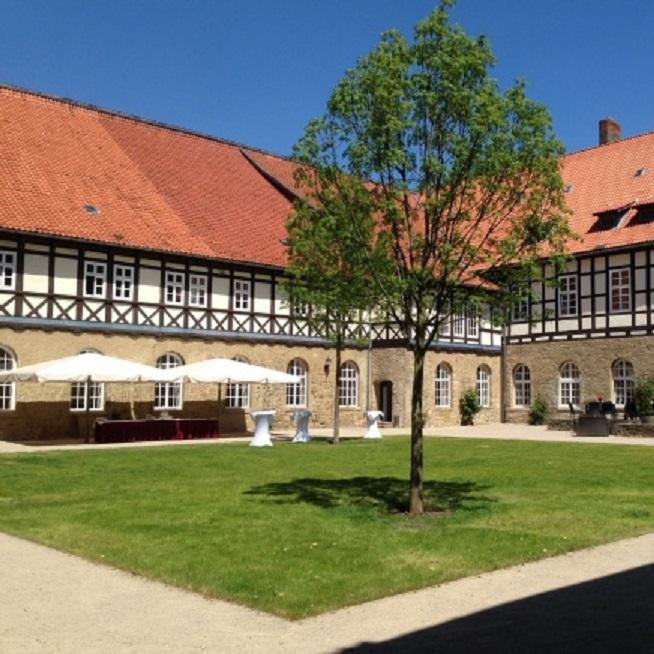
(87, 414)
(132, 413)
(220, 402)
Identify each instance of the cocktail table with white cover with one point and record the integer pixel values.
(262, 421)
(372, 419)
(301, 419)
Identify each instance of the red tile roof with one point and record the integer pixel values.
(162, 188)
(606, 178)
(156, 187)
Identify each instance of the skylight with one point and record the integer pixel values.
(90, 208)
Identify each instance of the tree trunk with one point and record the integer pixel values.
(337, 391)
(416, 506)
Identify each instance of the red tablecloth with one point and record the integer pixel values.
(164, 429)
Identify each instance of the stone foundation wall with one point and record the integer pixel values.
(42, 410)
(396, 365)
(593, 357)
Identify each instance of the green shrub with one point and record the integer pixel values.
(538, 412)
(643, 394)
(469, 407)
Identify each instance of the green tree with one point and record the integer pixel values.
(329, 277)
(462, 182)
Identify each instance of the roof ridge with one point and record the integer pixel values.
(608, 145)
(139, 119)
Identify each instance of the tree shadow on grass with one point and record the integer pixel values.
(388, 494)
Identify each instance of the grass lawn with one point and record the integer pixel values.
(301, 529)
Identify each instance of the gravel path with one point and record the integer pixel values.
(495, 431)
(57, 603)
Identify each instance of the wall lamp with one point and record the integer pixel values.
(328, 363)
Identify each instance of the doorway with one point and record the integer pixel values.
(386, 400)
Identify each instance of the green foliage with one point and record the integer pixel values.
(446, 190)
(644, 395)
(538, 412)
(469, 406)
(195, 516)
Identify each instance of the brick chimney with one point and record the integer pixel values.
(609, 131)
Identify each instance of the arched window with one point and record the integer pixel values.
(623, 382)
(168, 395)
(349, 387)
(237, 396)
(521, 385)
(296, 394)
(569, 385)
(7, 389)
(443, 391)
(87, 395)
(483, 386)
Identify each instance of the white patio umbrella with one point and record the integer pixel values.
(228, 371)
(86, 367)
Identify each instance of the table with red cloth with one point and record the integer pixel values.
(155, 429)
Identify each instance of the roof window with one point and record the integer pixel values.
(607, 220)
(92, 209)
(640, 172)
(567, 188)
(644, 214)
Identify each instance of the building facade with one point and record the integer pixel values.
(152, 243)
(586, 330)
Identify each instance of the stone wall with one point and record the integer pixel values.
(593, 357)
(396, 365)
(42, 410)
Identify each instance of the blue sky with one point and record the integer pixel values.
(255, 71)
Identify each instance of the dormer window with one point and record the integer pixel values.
(607, 220)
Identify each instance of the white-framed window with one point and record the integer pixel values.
(168, 395)
(568, 301)
(483, 386)
(242, 294)
(237, 396)
(520, 309)
(123, 282)
(348, 392)
(296, 394)
(458, 324)
(445, 326)
(623, 382)
(521, 386)
(174, 292)
(299, 309)
(620, 290)
(7, 389)
(569, 385)
(95, 276)
(83, 394)
(443, 386)
(7, 270)
(473, 322)
(197, 290)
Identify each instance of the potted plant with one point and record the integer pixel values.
(643, 394)
(469, 407)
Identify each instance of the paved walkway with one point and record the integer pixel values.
(53, 602)
(499, 431)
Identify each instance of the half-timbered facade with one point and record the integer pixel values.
(585, 331)
(164, 246)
